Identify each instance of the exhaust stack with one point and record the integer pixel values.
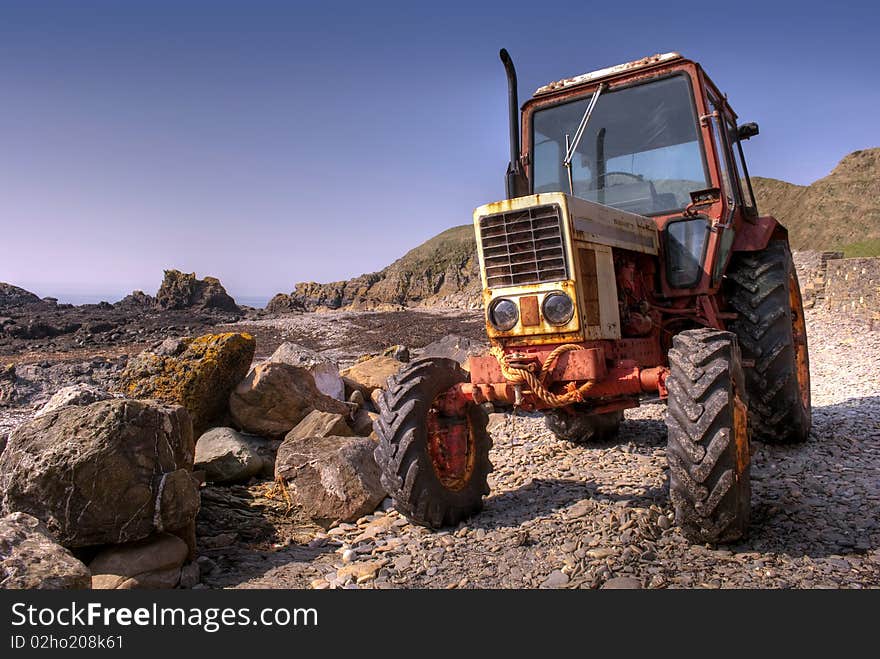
(514, 171)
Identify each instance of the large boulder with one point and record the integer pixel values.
(76, 394)
(333, 479)
(274, 397)
(153, 563)
(371, 374)
(228, 456)
(325, 372)
(196, 373)
(31, 559)
(112, 472)
(180, 290)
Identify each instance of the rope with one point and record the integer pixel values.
(536, 384)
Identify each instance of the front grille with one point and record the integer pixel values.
(523, 247)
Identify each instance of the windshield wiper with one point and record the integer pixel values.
(570, 148)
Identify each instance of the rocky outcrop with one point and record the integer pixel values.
(75, 394)
(274, 397)
(180, 290)
(112, 472)
(196, 373)
(333, 479)
(442, 271)
(323, 371)
(13, 297)
(31, 559)
(136, 300)
(152, 563)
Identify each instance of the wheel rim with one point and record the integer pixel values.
(799, 337)
(451, 449)
(741, 433)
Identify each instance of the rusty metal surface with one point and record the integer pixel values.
(528, 311)
(601, 74)
(754, 237)
(574, 366)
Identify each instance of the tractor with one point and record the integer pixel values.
(628, 262)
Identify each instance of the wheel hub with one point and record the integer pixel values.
(451, 449)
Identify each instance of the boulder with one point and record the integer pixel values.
(31, 559)
(398, 352)
(325, 372)
(371, 374)
(153, 562)
(333, 479)
(455, 347)
(320, 424)
(180, 290)
(76, 394)
(362, 424)
(228, 456)
(284, 303)
(196, 373)
(112, 472)
(275, 397)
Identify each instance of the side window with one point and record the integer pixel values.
(721, 148)
(740, 164)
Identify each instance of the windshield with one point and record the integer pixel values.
(640, 151)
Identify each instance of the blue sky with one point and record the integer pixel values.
(268, 143)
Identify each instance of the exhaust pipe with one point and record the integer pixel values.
(514, 171)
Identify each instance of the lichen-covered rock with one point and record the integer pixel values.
(153, 563)
(324, 371)
(180, 290)
(31, 559)
(274, 397)
(76, 394)
(112, 472)
(228, 456)
(333, 479)
(371, 374)
(196, 373)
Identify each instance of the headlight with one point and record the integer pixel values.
(558, 308)
(503, 314)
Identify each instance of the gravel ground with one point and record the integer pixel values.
(564, 516)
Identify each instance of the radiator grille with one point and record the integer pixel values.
(523, 247)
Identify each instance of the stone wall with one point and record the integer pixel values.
(850, 286)
(853, 286)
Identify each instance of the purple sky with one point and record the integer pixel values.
(268, 143)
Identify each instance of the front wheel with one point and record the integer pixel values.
(434, 466)
(708, 434)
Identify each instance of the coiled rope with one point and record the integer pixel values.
(520, 375)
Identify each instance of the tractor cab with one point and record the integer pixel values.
(652, 137)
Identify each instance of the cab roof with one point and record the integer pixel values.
(585, 78)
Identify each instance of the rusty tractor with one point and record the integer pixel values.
(628, 262)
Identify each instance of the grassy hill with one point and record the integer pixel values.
(838, 212)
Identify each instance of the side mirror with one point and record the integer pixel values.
(745, 131)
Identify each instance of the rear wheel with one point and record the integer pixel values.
(434, 466)
(575, 425)
(763, 289)
(708, 435)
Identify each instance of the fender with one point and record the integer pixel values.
(755, 237)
